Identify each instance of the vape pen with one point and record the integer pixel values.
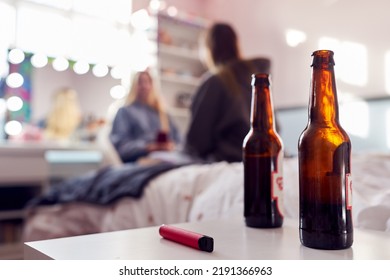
(188, 238)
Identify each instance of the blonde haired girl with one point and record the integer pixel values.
(141, 120)
(144, 90)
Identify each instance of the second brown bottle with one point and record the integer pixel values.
(263, 161)
(324, 153)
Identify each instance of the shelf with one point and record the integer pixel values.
(178, 51)
(180, 79)
(179, 112)
(179, 65)
(185, 19)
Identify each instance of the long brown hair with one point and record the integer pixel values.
(222, 44)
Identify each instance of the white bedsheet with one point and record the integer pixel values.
(207, 192)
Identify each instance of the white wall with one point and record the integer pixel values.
(259, 28)
(261, 25)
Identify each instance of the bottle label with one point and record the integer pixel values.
(348, 191)
(277, 184)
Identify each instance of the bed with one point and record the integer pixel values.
(200, 192)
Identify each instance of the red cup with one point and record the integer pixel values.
(162, 137)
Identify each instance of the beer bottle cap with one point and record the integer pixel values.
(260, 79)
(323, 58)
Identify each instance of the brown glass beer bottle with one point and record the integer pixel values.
(262, 159)
(324, 151)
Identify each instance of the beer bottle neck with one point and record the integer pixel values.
(323, 105)
(262, 118)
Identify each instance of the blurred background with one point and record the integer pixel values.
(95, 46)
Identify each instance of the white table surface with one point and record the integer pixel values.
(232, 240)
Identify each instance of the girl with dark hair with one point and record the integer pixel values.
(220, 111)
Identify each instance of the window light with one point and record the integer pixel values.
(295, 37)
(60, 4)
(7, 23)
(355, 115)
(79, 28)
(351, 60)
(105, 9)
(48, 32)
(141, 20)
(93, 39)
(172, 11)
(156, 5)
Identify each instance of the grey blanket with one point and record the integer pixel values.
(105, 185)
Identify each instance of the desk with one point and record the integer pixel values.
(26, 169)
(35, 162)
(22, 164)
(232, 240)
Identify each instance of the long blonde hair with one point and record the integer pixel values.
(65, 115)
(154, 99)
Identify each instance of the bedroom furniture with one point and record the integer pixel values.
(26, 169)
(34, 162)
(178, 61)
(232, 240)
